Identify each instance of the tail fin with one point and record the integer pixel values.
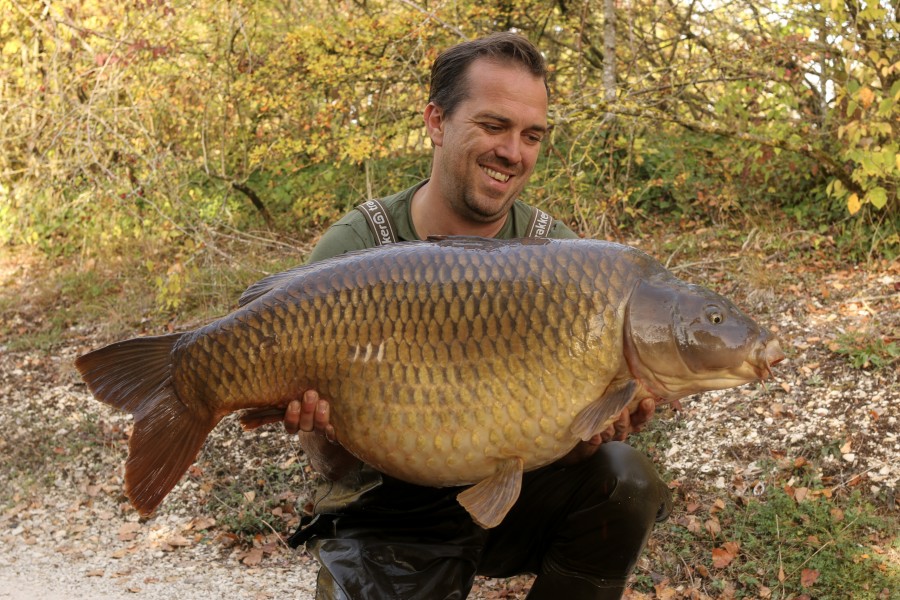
(136, 376)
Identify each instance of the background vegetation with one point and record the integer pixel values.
(168, 126)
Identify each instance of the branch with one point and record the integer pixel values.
(257, 202)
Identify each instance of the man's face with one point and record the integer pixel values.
(486, 150)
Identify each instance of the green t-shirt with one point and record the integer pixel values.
(352, 232)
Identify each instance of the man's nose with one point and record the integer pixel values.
(509, 148)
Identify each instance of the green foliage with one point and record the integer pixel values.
(867, 350)
(152, 128)
(813, 534)
(777, 546)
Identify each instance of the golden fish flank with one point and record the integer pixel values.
(452, 362)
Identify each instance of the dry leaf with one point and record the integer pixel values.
(200, 523)
(693, 525)
(253, 557)
(713, 526)
(866, 96)
(721, 557)
(664, 591)
(808, 577)
(178, 541)
(129, 531)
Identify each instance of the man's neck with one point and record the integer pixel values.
(431, 215)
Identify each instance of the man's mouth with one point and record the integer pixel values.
(495, 175)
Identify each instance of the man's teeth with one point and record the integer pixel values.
(496, 175)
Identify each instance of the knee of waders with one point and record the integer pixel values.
(631, 482)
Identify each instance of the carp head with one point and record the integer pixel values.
(681, 339)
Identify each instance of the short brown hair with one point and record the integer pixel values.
(448, 85)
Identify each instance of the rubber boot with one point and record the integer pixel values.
(554, 586)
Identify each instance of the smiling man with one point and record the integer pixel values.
(579, 524)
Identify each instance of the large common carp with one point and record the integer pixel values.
(447, 362)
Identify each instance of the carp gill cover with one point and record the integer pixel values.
(447, 362)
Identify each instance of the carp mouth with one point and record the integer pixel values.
(682, 382)
(767, 357)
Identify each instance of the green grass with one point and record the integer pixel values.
(867, 349)
(781, 548)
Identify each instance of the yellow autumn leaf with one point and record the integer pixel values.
(866, 97)
(853, 204)
(11, 47)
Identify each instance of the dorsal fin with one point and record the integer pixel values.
(267, 284)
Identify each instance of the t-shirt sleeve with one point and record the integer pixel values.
(339, 239)
(559, 231)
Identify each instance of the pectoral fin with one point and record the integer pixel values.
(597, 415)
(489, 500)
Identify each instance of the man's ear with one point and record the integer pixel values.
(434, 123)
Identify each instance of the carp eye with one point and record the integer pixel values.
(715, 316)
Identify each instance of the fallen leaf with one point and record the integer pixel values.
(664, 591)
(128, 531)
(253, 557)
(200, 523)
(721, 557)
(693, 525)
(808, 577)
(178, 541)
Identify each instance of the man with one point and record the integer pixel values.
(579, 524)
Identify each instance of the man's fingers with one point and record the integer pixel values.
(622, 425)
(322, 415)
(643, 413)
(608, 434)
(308, 405)
(292, 417)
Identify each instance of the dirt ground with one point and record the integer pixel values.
(68, 532)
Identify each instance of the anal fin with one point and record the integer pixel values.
(597, 415)
(489, 500)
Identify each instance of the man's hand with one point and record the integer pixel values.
(309, 414)
(629, 422)
(626, 423)
(310, 419)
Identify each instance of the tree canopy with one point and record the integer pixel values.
(160, 119)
